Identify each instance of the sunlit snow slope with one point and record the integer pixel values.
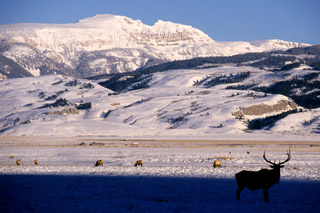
(177, 102)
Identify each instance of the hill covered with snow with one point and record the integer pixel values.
(179, 103)
(110, 44)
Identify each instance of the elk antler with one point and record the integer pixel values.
(289, 157)
(264, 157)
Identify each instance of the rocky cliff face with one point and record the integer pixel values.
(111, 44)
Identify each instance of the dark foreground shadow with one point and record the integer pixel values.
(52, 193)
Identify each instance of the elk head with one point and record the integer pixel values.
(276, 166)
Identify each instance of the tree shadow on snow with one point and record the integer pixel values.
(149, 194)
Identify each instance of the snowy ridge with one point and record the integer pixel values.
(172, 105)
(124, 45)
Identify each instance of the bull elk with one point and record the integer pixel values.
(263, 179)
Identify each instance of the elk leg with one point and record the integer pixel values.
(266, 195)
(239, 191)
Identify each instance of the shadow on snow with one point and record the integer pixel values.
(149, 194)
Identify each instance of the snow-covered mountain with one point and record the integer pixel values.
(194, 103)
(110, 44)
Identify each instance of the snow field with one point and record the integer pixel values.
(181, 161)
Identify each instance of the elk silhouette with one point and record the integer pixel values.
(263, 179)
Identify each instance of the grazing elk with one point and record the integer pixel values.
(99, 163)
(18, 162)
(139, 162)
(263, 179)
(217, 163)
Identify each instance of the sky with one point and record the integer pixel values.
(222, 20)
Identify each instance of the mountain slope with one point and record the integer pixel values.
(111, 44)
(176, 102)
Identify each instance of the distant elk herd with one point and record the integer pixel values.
(98, 163)
(253, 180)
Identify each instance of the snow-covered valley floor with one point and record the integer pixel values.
(177, 175)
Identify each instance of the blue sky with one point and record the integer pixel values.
(222, 20)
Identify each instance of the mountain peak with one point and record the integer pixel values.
(161, 22)
(111, 43)
(278, 44)
(101, 20)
